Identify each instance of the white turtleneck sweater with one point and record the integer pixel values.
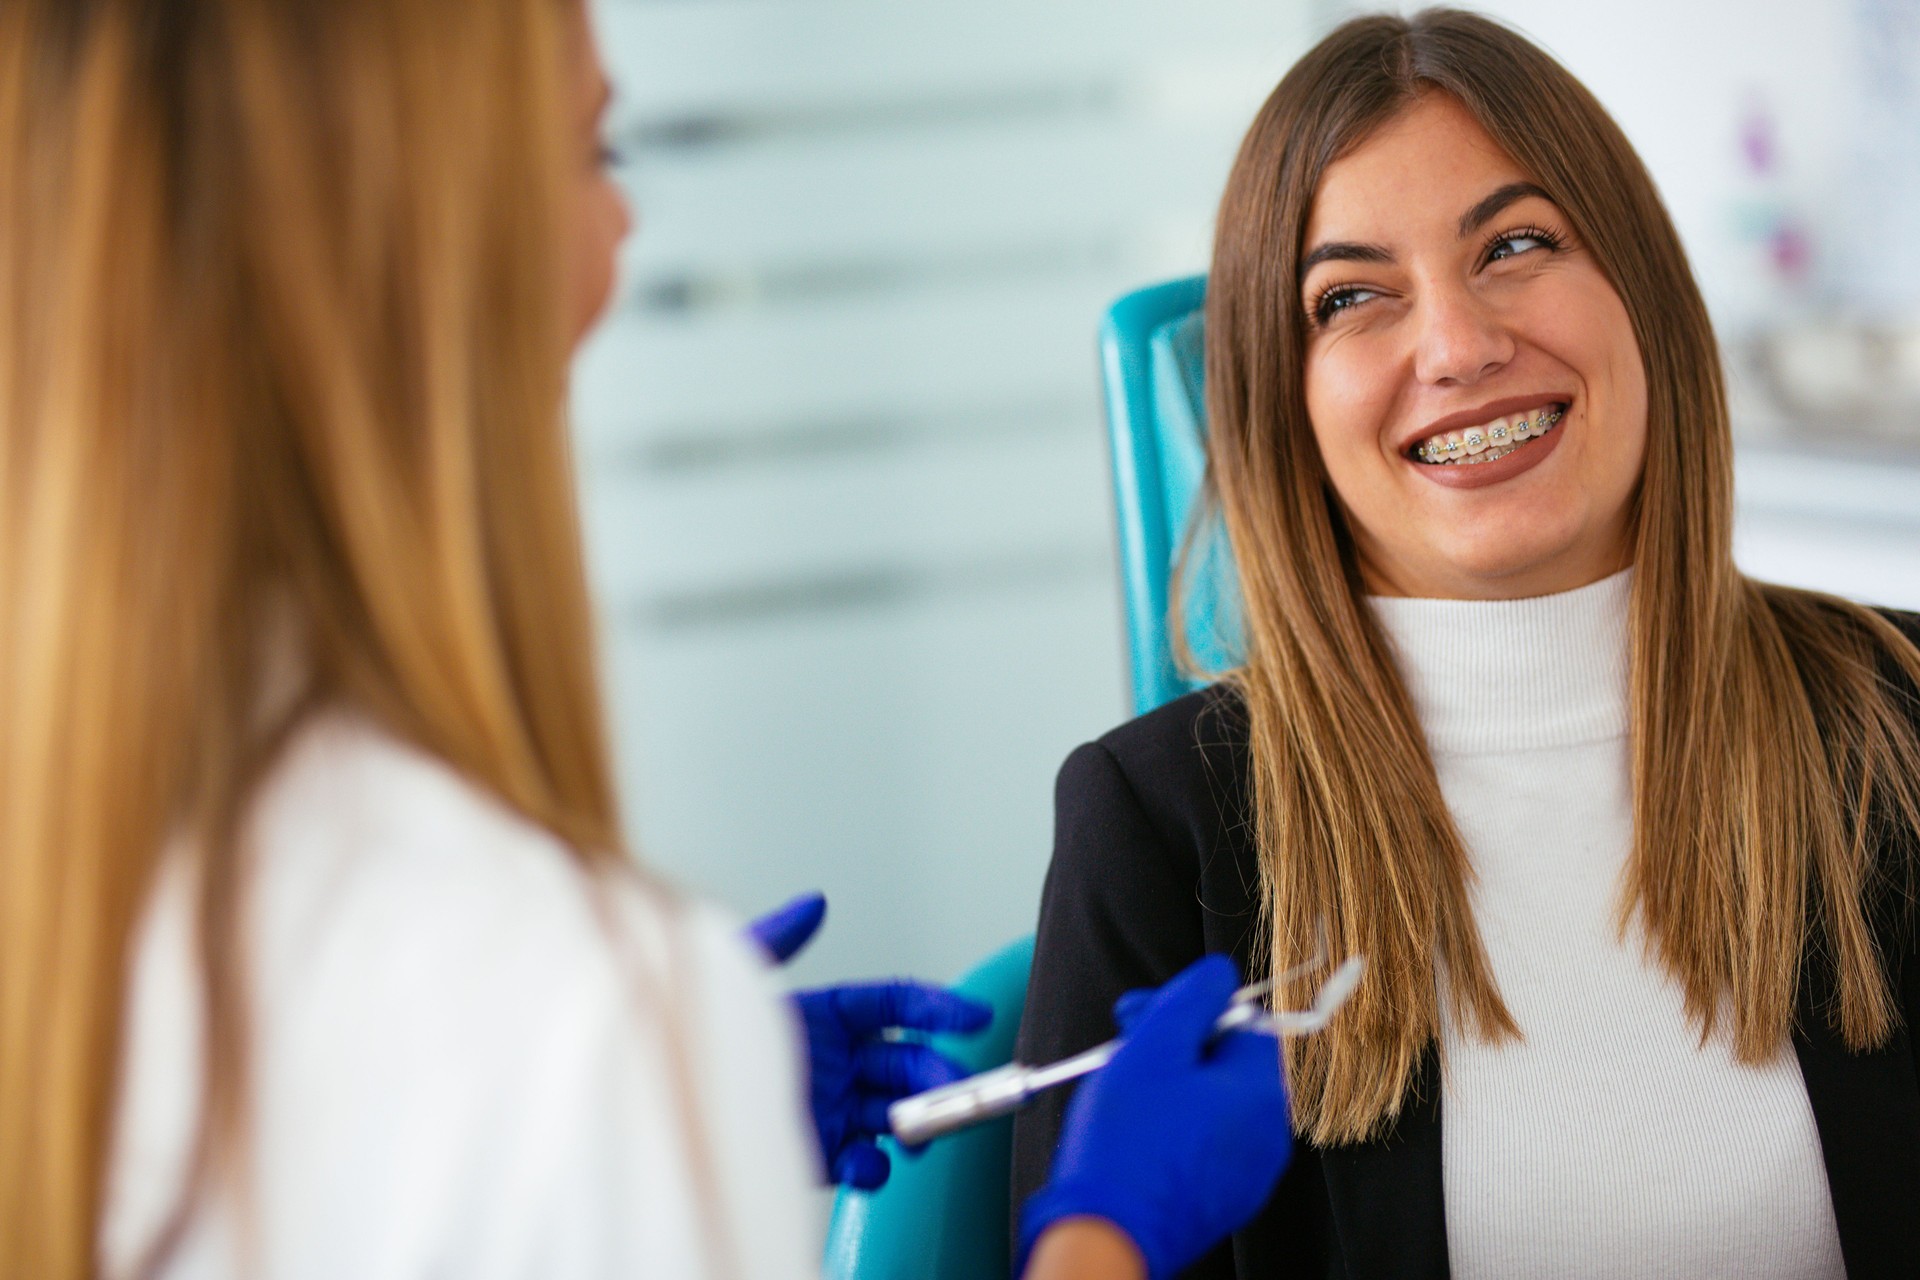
(1609, 1142)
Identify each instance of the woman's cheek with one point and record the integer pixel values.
(1341, 408)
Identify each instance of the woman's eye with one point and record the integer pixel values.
(1511, 246)
(1337, 299)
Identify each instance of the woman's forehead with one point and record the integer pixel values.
(1420, 172)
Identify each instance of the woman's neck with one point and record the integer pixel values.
(1505, 675)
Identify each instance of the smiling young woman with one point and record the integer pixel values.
(1625, 836)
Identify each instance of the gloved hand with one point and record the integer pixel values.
(855, 1069)
(1177, 1141)
(784, 931)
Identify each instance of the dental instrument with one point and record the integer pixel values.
(925, 1116)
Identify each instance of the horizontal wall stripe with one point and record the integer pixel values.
(877, 587)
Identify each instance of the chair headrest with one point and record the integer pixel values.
(1186, 339)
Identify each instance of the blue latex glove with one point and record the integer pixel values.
(857, 1065)
(782, 932)
(1178, 1142)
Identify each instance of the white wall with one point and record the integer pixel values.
(842, 454)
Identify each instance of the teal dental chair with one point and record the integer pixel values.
(944, 1214)
(1153, 358)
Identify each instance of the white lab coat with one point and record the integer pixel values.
(456, 1072)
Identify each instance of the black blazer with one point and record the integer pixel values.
(1154, 865)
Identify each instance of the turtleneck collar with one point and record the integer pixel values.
(1513, 675)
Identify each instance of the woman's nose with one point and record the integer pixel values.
(1458, 338)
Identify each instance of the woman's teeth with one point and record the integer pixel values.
(1489, 440)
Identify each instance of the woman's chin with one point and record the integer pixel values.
(1494, 568)
(1507, 577)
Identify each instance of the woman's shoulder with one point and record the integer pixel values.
(1898, 675)
(349, 800)
(1187, 756)
(364, 851)
(1212, 718)
(1167, 794)
(446, 1004)
(367, 853)
(1906, 621)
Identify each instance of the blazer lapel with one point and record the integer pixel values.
(1387, 1202)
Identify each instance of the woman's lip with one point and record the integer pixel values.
(1481, 474)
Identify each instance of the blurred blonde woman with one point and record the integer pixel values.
(319, 951)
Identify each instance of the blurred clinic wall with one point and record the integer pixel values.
(844, 478)
(840, 442)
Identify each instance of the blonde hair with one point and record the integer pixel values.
(281, 335)
(1772, 753)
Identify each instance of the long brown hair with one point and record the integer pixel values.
(1770, 749)
(281, 340)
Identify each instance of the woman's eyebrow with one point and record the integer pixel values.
(1484, 211)
(1344, 251)
(1478, 216)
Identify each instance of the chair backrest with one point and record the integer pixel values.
(943, 1215)
(1152, 356)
